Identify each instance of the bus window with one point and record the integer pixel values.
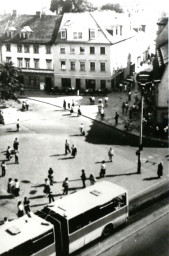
(42, 241)
(76, 223)
(119, 201)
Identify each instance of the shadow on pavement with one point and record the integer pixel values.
(6, 197)
(38, 186)
(36, 205)
(32, 192)
(58, 155)
(122, 174)
(151, 178)
(25, 181)
(37, 197)
(65, 158)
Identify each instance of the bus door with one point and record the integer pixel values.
(58, 235)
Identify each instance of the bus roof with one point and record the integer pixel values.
(20, 230)
(86, 199)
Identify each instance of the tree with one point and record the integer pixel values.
(8, 78)
(63, 6)
(112, 7)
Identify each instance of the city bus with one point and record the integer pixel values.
(27, 236)
(83, 216)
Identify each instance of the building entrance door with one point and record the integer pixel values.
(78, 85)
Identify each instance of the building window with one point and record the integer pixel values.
(77, 35)
(19, 48)
(10, 34)
(72, 49)
(82, 66)
(49, 64)
(19, 62)
(36, 48)
(92, 50)
(92, 66)
(116, 30)
(8, 47)
(102, 66)
(82, 50)
(36, 63)
(26, 48)
(102, 50)
(8, 59)
(92, 34)
(63, 34)
(63, 65)
(72, 65)
(48, 49)
(103, 84)
(34, 81)
(62, 50)
(27, 63)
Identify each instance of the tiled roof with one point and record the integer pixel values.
(42, 28)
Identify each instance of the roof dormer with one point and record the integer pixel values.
(10, 32)
(25, 32)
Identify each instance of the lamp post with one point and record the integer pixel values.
(142, 78)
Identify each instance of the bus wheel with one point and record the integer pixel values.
(108, 230)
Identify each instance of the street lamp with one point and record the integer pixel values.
(143, 78)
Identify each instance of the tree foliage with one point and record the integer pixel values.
(8, 75)
(63, 6)
(112, 7)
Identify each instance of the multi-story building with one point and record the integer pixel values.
(161, 71)
(27, 41)
(93, 50)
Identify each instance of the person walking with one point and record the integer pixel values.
(102, 113)
(50, 196)
(83, 178)
(8, 153)
(17, 157)
(116, 117)
(92, 179)
(67, 147)
(106, 101)
(20, 209)
(10, 186)
(103, 170)
(64, 104)
(4, 168)
(26, 203)
(27, 105)
(16, 188)
(74, 151)
(18, 125)
(129, 96)
(79, 113)
(50, 176)
(123, 107)
(160, 170)
(81, 128)
(47, 186)
(110, 154)
(16, 144)
(65, 186)
(93, 100)
(126, 107)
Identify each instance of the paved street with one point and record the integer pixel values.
(44, 130)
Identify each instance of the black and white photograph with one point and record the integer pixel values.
(84, 128)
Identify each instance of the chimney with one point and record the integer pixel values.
(38, 14)
(14, 14)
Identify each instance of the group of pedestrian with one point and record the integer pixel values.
(25, 105)
(14, 151)
(23, 207)
(13, 187)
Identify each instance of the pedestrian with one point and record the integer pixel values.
(16, 144)
(92, 179)
(129, 96)
(47, 186)
(93, 100)
(27, 105)
(83, 178)
(110, 154)
(102, 113)
(73, 103)
(50, 176)
(106, 101)
(90, 99)
(160, 170)
(116, 117)
(16, 188)
(18, 125)
(74, 151)
(10, 186)
(4, 168)
(123, 107)
(50, 195)
(64, 104)
(65, 186)
(23, 106)
(79, 113)
(6, 221)
(103, 169)
(20, 209)
(26, 203)
(22, 90)
(67, 147)
(82, 129)
(120, 87)
(8, 153)
(68, 105)
(17, 157)
(127, 107)
(100, 101)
